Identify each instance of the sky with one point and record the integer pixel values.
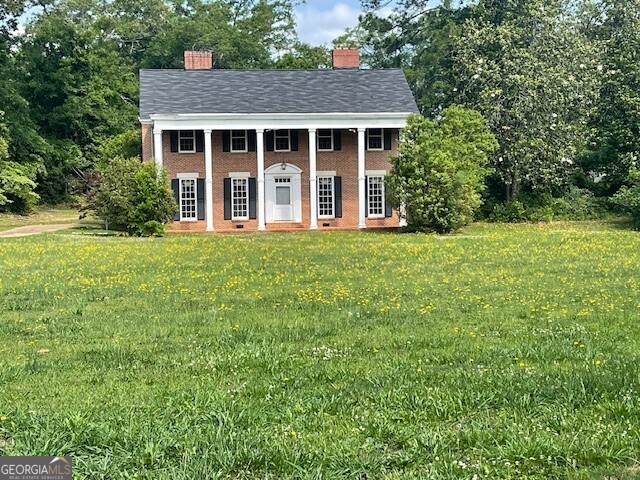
(320, 21)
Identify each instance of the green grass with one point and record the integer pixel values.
(44, 215)
(503, 352)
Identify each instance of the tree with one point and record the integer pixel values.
(16, 181)
(527, 66)
(616, 133)
(304, 56)
(628, 197)
(132, 196)
(440, 169)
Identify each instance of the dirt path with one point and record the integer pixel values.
(33, 230)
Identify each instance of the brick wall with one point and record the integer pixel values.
(343, 162)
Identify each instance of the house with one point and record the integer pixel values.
(275, 149)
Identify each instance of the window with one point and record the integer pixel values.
(282, 141)
(374, 139)
(238, 140)
(375, 196)
(187, 141)
(239, 199)
(325, 197)
(325, 140)
(188, 196)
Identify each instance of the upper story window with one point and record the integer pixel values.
(238, 140)
(375, 139)
(282, 141)
(187, 141)
(325, 140)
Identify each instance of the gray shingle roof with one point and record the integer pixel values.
(274, 91)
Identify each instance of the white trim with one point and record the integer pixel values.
(243, 218)
(376, 173)
(369, 149)
(383, 200)
(294, 173)
(276, 169)
(275, 140)
(331, 136)
(246, 141)
(239, 174)
(287, 121)
(194, 177)
(333, 197)
(193, 137)
(326, 173)
(187, 175)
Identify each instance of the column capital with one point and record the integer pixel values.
(312, 130)
(208, 130)
(259, 130)
(157, 131)
(360, 129)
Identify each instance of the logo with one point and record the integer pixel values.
(35, 468)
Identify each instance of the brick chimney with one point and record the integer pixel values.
(345, 57)
(198, 60)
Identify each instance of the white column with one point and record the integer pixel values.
(208, 175)
(361, 178)
(157, 147)
(313, 183)
(260, 178)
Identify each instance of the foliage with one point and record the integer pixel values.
(440, 169)
(540, 120)
(628, 197)
(16, 181)
(305, 57)
(133, 196)
(616, 25)
(404, 356)
(574, 204)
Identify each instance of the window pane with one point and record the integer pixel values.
(282, 140)
(375, 139)
(187, 140)
(239, 198)
(188, 199)
(375, 195)
(283, 195)
(325, 196)
(239, 140)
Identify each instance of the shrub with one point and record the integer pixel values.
(576, 204)
(440, 169)
(628, 197)
(132, 196)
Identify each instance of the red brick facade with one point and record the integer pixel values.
(343, 162)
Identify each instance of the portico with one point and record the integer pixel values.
(283, 171)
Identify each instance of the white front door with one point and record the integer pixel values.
(283, 205)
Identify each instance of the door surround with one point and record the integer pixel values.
(284, 171)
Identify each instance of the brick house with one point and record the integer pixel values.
(275, 149)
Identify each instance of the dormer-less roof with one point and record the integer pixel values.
(177, 92)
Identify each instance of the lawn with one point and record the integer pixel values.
(502, 352)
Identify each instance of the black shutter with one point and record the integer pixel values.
(387, 138)
(270, 140)
(337, 185)
(252, 198)
(366, 196)
(294, 140)
(175, 186)
(173, 139)
(226, 141)
(251, 140)
(227, 199)
(388, 205)
(337, 140)
(200, 198)
(199, 141)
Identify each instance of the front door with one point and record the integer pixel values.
(283, 206)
